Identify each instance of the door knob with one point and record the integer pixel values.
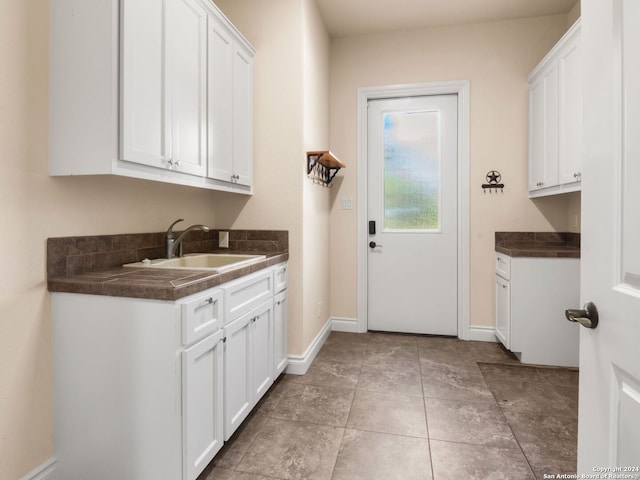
(374, 244)
(588, 317)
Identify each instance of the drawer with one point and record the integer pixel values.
(241, 295)
(503, 265)
(280, 278)
(201, 316)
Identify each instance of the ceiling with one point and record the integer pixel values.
(357, 17)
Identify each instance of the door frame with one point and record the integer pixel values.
(456, 87)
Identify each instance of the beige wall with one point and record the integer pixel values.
(316, 208)
(290, 117)
(276, 33)
(496, 58)
(574, 14)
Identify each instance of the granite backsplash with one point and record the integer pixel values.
(67, 256)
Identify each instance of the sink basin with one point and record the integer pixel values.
(201, 261)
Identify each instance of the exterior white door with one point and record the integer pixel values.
(412, 283)
(609, 411)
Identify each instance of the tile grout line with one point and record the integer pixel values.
(515, 437)
(344, 430)
(426, 415)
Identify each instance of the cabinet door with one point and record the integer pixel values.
(202, 427)
(142, 124)
(503, 311)
(186, 32)
(220, 82)
(543, 129)
(280, 333)
(238, 385)
(570, 114)
(243, 116)
(262, 343)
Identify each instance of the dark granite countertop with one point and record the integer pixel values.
(154, 283)
(93, 264)
(538, 244)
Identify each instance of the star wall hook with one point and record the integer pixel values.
(493, 178)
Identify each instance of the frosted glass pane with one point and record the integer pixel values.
(412, 171)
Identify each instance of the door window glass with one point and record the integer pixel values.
(412, 171)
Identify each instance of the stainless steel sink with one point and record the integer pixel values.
(201, 261)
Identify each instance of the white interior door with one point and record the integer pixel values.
(412, 211)
(609, 412)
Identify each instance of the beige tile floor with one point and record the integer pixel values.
(384, 406)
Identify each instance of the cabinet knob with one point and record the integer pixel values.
(208, 301)
(577, 175)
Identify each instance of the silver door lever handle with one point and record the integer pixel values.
(587, 317)
(374, 245)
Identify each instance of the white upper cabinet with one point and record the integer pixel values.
(570, 114)
(230, 108)
(220, 102)
(142, 134)
(164, 89)
(148, 89)
(242, 115)
(186, 80)
(555, 119)
(543, 129)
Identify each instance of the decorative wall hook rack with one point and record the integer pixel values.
(323, 166)
(493, 182)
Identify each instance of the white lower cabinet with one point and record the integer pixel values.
(202, 412)
(262, 346)
(147, 389)
(238, 385)
(280, 337)
(248, 346)
(503, 311)
(532, 294)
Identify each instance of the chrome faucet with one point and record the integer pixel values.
(173, 243)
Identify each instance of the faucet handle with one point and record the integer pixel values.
(170, 229)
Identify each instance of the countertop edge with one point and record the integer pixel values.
(538, 251)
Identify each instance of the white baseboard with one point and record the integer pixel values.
(339, 324)
(299, 364)
(46, 471)
(482, 334)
